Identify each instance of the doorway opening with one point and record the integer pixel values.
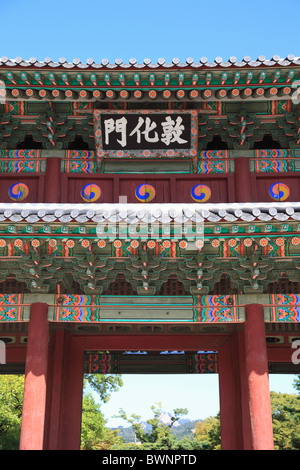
(176, 389)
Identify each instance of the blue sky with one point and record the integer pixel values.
(199, 393)
(158, 28)
(139, 29)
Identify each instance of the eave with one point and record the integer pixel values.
(189, 81)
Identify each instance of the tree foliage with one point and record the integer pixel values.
(160, 436)
(94, 434)
(297, 383)
(11, 402)
(208, 433)
(103, 385)
(286, 420)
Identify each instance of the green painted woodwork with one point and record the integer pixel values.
(68, 255)
(232, 77)
(66, 130)
(167, 313)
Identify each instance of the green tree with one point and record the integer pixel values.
(103, 385)
(286, 420)
(94, 434)
(296, 383)
(208, 433)
(160, 437)
(11, 402)
(92, 423)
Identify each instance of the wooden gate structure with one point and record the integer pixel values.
(150, 208)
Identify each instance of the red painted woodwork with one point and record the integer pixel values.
(243, 368)
(256, 362)
(229, 400)
(34, 401)
(72, 186)
(234, 395)
(71, 397)
(261, 185)
(168, 188)
(218, 185)
(35, 185)
(52, 181)
(15, 354)
(161, 184)
(241, 379)
(282, 354)
(240, 186)
(157, 342)
(242, 180)
(54, 389)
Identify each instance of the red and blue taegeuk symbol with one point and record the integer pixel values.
(279, 191)
(200, 193)
(145, 192)
(18, 191)
(90, 192)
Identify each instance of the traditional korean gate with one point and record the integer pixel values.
(194, 139)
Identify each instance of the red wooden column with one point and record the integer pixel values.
(71, 397)
(52, 180)
(34, 401)
(244, 393)
(242, 180)
(228, 400)
(231, 395)
(54, 389)
(256, 365)
(64, 397)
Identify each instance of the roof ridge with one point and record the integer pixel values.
(147, 63)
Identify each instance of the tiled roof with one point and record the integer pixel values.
(161, 63)
(147, 213)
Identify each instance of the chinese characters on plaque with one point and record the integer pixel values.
(142, 131)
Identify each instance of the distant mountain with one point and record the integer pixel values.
(165, 418)
(182, 428)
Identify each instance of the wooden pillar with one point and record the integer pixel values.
(242, 180)
(34, 401)
(54, 388)
(256, 365)
(64, 401)
(52, 180)
(69, 432)
(244, 394)
(230, 396)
